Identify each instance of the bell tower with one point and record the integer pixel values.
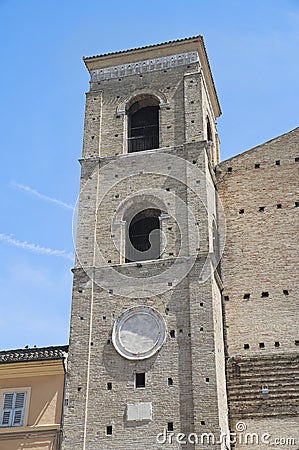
(146, 365)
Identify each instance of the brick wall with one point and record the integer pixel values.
(177, 179)
(259, 191)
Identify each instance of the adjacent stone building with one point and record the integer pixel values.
(185, 304)
(259, 191)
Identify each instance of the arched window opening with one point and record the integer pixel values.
(209, 130)
(143, 236)
(143, 125)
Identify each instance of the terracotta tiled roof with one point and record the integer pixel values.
(144, 47)
(33, 354)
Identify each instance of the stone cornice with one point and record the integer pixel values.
(43, 431)
(31, 369)
(158, 52)
(143, 66)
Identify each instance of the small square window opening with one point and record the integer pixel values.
(170, 426)
(140, 380)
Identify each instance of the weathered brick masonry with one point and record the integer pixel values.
(259, 191)
(185, 380)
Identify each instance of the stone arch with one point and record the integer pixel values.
(150, 211)
(132, 205)
(125, 104)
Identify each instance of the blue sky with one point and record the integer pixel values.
(253, 50)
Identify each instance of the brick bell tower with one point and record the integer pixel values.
(146, 359)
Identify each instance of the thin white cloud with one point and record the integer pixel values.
(37, 194)
(10, 240)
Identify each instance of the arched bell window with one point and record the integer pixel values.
(143, 236)
(143, 124)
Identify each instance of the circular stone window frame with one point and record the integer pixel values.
(130, 313)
